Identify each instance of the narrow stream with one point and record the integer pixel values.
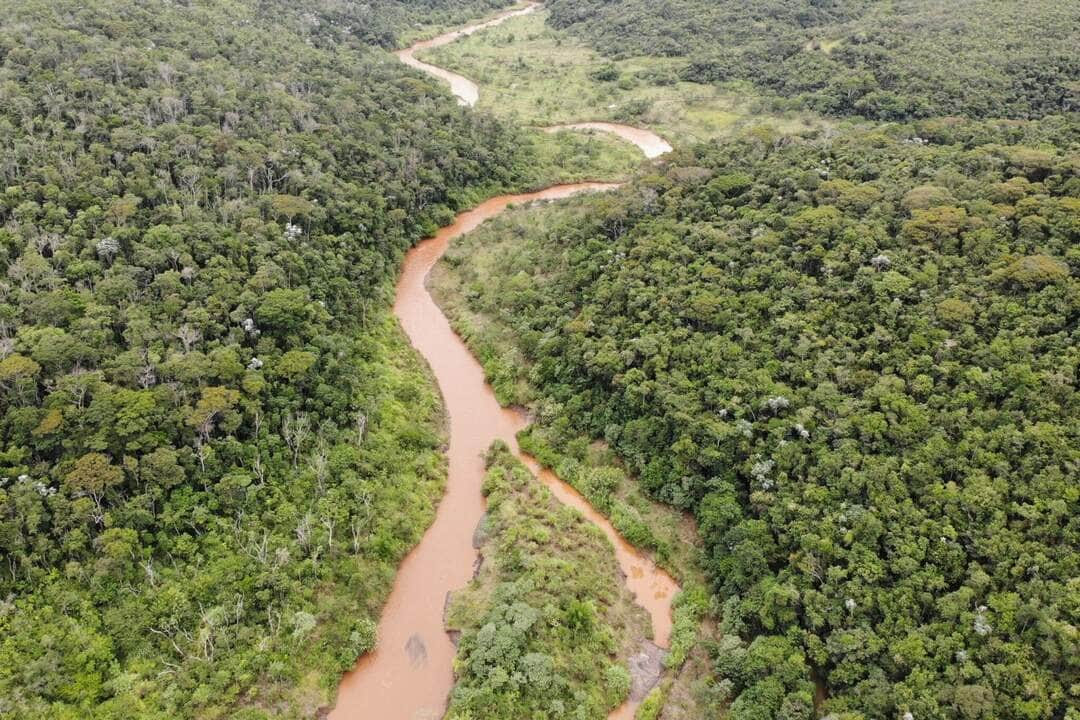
(465, 89)
(468, 93)
(409, 676)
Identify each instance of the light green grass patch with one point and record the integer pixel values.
(536, 75)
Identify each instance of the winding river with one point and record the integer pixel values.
(410, 675)
(468, 93)
(465, 89)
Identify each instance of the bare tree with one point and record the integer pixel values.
(362, 520)
(147, 377)
(191, 179)
(170, 632)
(295, 430)
(151, 574)
(107, 248)
(258, 550)
(303, 531)
(361, 427)
(188, 336)
(258, 469)
(200, 449)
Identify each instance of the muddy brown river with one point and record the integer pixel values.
(463, 88)
(409, 676)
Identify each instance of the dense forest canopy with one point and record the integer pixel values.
(851, 354)
(379, 22)
(215, 444)
(854, 357)
(883, 60)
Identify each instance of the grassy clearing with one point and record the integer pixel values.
(453, 17)
(539, 76)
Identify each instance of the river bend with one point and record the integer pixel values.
(410, 674)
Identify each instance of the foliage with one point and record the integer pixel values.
(889, 61)
(603, 485)
(863, 388)
(215, 443)
(650, 707)
(689, 606)
(539, 75)
(548, 617)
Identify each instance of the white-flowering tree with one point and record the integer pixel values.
(107, 248)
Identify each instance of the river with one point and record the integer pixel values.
(409, 675)
(650, 144)
(468, 93)
(463, 88)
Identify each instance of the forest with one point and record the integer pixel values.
(820, 361)
(880, 60)
(216, 443)
(853, 358)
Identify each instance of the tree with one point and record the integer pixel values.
(283, 310)
(295, 363)
(160, 468)
(1034, 271)
(214, 403)
(93, 475)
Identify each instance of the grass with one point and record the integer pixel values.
(452, 18)
(535, 75)
(566, 157)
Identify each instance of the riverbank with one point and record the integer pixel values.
(537, 76)
(490, 258)
(411, 670)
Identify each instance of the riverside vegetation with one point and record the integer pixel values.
(546, 610)
(217, 445)
(850, 352)
(853, 358)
